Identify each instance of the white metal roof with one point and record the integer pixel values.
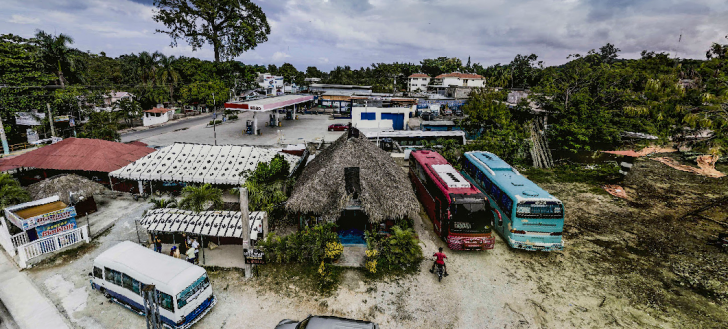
(450, 176)
(150, 267)
(199, 163)
(209, 223)
(268, 104)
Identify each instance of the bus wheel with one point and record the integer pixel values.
(106, 293)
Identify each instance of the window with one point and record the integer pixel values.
(157, 115)
(136, 287)
(109, 274)
(98, 273)
(191, 292)
(368, 116)
(126, 281)
(117, 278)
(165, 301)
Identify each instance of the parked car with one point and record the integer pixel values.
(326, 322)
(446, 112)
(427, 116)
(458, 112)
(338, 127)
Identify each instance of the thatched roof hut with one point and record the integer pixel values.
(385, 190)
(61, 185)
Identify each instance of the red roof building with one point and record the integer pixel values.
(158, 110)
(419, 75)
(78, 154)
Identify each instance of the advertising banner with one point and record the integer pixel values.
(49, 218)
(29, 118)
(254, 256)
(55, 228)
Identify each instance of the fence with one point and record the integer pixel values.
(19, 239)
(50, 244)
(6, 241)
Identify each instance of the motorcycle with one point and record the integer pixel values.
(439, 271)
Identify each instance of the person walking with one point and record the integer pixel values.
(157, 244)
(191, 255)
(195, 245)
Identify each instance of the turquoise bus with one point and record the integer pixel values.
(526, 216)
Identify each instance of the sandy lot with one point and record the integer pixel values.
(614, 273)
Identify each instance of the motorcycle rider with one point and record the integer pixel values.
(439, 259)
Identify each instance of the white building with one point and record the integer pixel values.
(157, 115)
(382, 118)
(460, 80)
(345, 90)
(418, 82)
(111, 99)
(272, 84)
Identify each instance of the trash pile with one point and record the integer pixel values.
(62, 185)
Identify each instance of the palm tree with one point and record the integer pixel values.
(55, 54)
(163, 203)
(10, 191)
(197, 198)
(166, 73)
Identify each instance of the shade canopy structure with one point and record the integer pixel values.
(224, 224)
(79, 154)
(385, 191)
(268, 104)
(200, 163)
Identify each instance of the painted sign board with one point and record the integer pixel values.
(254, 256)
(50, 217)
(29, 118)
(56, 227)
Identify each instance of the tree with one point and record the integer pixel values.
(232, 27)
(440, 65)
(101, 125)
(199, 198)
(608, 53)
(267, 184)
(288, 71)
(129, 110)
(55, 54)
(202, 93)
(167, 73)
(11, 193)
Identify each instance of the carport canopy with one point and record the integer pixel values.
(208, 223)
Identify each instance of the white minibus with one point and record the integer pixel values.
(184, 289)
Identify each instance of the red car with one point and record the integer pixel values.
(338, 127)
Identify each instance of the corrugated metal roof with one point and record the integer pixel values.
(79, 154)
(210, 223)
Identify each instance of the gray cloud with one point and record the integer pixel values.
(327, 33)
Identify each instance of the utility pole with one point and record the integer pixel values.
(214, 118)
(151, 307)
(50, 120)
(245, 218)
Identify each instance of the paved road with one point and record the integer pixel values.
(6, 319)
(137, 135)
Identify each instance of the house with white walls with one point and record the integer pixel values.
(382, 118)
(157, 115)
(418, 82)
(456, 85)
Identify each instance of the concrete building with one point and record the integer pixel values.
(157, 115)
(456, 84)
(383, 118)
(271, 84)
(418, 82)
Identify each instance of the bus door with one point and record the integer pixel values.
(436, 220)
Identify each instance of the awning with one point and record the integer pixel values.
(209, 223)
(200, 163)
(268, 104)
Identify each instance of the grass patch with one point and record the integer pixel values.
(299, 278)
(597, 174)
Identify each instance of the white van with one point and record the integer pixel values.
(185, 293)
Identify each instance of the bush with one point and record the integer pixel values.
(311, 246)
(399, 252)
(232, 117)
(604, 173)
(215, 122)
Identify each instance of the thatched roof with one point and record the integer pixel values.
(61, 185)
(386, 192)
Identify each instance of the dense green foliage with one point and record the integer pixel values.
(397, 253)
(305, 246)
(199, 198)
(11, 193)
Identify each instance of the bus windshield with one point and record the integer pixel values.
(192, 291)
(540, 209)
(470, 218)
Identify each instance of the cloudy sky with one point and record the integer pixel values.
(327, 33)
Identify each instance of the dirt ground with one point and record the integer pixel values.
(630, 264)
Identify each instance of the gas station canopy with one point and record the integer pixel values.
(268, 104)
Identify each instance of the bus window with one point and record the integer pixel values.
(165, 301)
(98, 273)
(136, 287)
(109, 274)
(192, 291)
(126, 281)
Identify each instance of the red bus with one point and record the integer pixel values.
(460, 212)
